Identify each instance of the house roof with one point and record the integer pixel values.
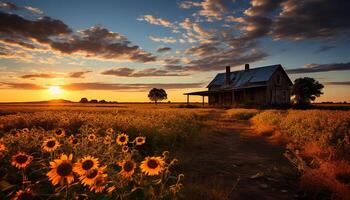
(245, 78)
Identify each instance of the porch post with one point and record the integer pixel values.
(203, 101)
(188, 99)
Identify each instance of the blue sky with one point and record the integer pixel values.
(202, 37)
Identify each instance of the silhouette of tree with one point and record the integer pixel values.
(102, 101)
(84, 100)
(306, 90)
(157, 95)
(93, 101)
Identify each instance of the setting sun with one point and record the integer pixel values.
(55, 90)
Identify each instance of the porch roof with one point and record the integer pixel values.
(202, 93)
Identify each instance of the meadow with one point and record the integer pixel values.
(144, 151)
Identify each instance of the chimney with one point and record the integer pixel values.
(246, 67)
(228, 75)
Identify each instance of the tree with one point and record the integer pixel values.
(157, 95)
(84, 100)
(306, 90)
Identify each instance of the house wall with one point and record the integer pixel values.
(278, 89)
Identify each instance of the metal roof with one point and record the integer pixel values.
(243, 78)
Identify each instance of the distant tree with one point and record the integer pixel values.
(84, 100)
(102, 101)
(306, 90)
(93, 101)
(157, 95)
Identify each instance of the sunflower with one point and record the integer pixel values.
(152, 165)
(73, 140)
(21, 160)
(107, 140)
(26, 194)
(140, 140)
(110, 131)
(50, 144)
(91, 137)
(60, 132)
(87, 163)
(122, 139)
(89, 178)
(125, 149)
(61, 170)
(99, 184)
(127, 168)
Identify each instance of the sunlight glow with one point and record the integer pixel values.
(55, 90)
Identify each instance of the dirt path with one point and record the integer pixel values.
(228, 161)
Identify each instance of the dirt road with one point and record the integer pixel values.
(228, 161)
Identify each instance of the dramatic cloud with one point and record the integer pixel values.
(163, 49)
(41, 75)
(163, 39)
(338, 83)
(211, 9)
(11, 6)
(312, 19)
(95, 42)
(80, 74)
(134, 87)
(156, 21)
(24, 86)
(312, 68)
(151, 72)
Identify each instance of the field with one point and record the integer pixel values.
(144, 151)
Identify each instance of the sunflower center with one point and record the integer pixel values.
(59, 132)
(140, 140)
(87, 164)
(152, 164)
(21, 159)
(128, 166)
(64, 169)
(122, 139)
(92, 174)
(50, 143)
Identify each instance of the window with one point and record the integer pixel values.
(278, 79)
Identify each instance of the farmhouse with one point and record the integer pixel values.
(268, 85)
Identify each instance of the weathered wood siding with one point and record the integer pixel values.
(278, 88)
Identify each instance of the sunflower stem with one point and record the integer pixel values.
(67, 186)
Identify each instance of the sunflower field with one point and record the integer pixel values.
(92, 155)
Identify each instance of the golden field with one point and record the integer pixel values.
(147, 151)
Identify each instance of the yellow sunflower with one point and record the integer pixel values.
(91, 137)
(140, 140)
(122, 139)
(21, 160)
(152, 165)
(107, 140)
(73, 141)
(87, 163)
(125, 149)
(127, 168)
(89, 178)
(99, 184)
(60, 132)
(110, 131)
(26, 194)
(50, 144)
(61, 170)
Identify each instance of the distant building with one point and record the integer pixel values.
(268, 85)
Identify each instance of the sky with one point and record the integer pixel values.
(118, 50)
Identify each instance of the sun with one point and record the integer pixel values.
(55, 90)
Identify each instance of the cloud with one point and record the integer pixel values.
(11, 6)
(163, 39)
(211, 9)
(41, 75)
(338, 83)
(312, 68)
(80, 74)
(24, 86)
(163, 49)
(325, 48)
(150, 72)
(312, 19)
(132, 87)
(156, 21)
(94, 42)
